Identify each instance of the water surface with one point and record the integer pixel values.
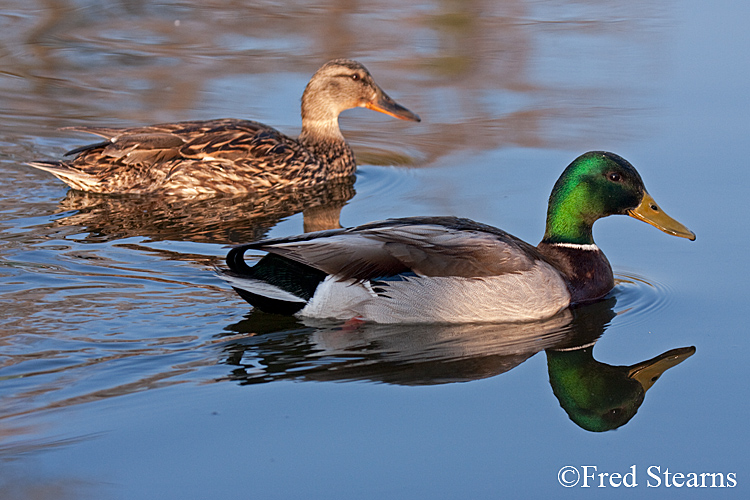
(128, 370)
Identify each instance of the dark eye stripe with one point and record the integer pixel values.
(353, 76)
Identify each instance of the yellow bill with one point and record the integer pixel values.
(648, 211)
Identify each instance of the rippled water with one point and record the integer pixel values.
(129, 370)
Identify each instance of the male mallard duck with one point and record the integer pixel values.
(446, 269)
(227, 155)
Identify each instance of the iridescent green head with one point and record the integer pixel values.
(598, 184)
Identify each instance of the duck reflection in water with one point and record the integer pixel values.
(600, 397)
(595, 395)
(216, 219)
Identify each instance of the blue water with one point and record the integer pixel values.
(129, 370)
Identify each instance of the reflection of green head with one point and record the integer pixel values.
(600, 397)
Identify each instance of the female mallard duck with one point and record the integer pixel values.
(445, 269)
(227, 155)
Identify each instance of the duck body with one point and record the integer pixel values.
(230, 156)
(226, 156)
(447, 269)
(410, 270)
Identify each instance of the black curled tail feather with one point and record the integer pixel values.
(236, 261)
(293, 277)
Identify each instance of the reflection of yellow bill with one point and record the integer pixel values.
(649, 371)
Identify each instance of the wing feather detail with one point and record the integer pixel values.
(427, 246)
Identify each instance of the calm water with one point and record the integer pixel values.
(129, 371)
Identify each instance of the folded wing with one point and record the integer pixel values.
(426, 246)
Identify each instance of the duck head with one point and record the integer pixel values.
(343, 84)
(598, 184)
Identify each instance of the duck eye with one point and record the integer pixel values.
(355, 77)
(614, 177)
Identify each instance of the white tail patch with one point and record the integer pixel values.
(338, 299)
(262, 288)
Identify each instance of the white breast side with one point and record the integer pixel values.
(532, 295)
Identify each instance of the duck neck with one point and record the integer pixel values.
(319, 130)
(323, 138)
(587, 271)
(320, 120)
(567, 223)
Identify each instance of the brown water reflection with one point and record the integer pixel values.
(219, 220)
(471, 68)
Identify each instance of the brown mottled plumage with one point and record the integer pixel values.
(227, 155)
